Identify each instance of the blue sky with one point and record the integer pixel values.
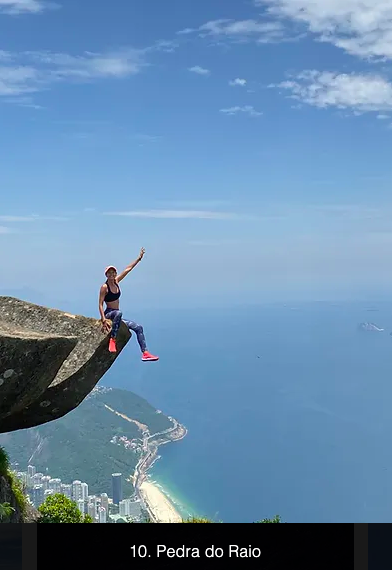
(245, 144)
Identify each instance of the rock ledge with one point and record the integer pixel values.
(49, 362)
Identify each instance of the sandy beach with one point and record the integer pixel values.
(161, 509)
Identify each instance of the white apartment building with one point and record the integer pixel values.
(55, 485)
(101, 515)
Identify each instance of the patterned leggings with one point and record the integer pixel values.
(116, 318)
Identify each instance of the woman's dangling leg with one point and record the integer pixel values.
(139, 331)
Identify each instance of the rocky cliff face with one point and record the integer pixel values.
(49, 362)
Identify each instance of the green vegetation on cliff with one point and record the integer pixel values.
(80, 444)
(10, 492)
(6, 512)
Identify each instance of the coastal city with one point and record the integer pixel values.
(146, 503)
(101, 507)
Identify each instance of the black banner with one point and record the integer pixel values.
(267, 546)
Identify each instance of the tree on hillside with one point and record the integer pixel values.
(276, 519)
(58, 508)
(4, 461)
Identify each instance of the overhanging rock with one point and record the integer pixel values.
(49, 362)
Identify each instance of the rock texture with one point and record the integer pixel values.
(49, 362)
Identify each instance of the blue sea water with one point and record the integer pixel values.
(289, 410)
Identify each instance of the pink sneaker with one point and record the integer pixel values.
(147, 356)
(112, 345)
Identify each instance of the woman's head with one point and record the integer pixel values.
(111, 272)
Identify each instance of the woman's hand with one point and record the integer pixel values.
(106, 327)
(142, 252)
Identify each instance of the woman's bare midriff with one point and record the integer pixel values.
(115, 305)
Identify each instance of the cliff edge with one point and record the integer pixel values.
(49, 362)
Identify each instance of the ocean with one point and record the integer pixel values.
(288, 409)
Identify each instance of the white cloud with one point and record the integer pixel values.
(143, 138)
(24, 6)
(383, 117)
(360, 27)
(239, 82)
(16, 218)
(210, 204)
(89, 65)
(5, 230)
(240, 30)
(168, 46)
(247, 109)
(24, 101)
(213, 243)
(358, 92)
(177, 214)
(32, 218)
(29, 72)
(15, 80)
(185, 31)
(200, 70)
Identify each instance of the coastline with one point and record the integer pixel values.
(155, 502)
(158, 506)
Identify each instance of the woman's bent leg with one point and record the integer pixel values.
(114, 316)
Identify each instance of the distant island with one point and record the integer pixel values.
(369, 327)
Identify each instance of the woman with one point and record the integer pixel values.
(110, 294)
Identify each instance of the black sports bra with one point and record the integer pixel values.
(110, 296)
